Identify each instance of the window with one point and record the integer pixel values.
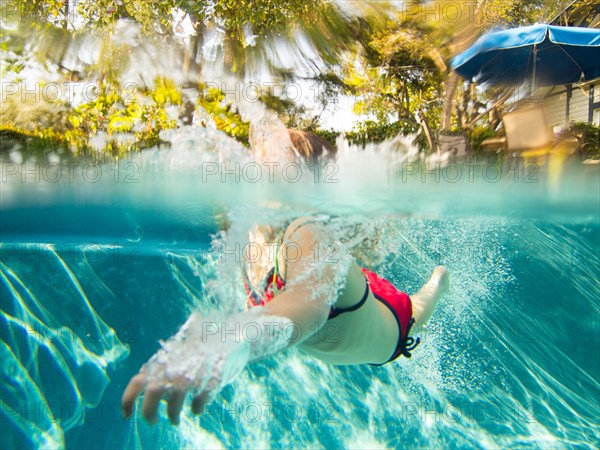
(596, 117)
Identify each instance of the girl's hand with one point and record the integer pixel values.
(198, 359)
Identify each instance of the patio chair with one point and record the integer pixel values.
(529, 138)
(527, 131)
(527, 134)
(454, 145)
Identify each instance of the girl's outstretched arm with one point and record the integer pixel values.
(206, 355)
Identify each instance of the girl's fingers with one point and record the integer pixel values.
(175, 403)
(151, 400)
(199, 402)
(132, 391)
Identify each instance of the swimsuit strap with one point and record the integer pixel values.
(274, 282)
(276, 262)
(407, 344)
(310, 219)
(264, 294)
(334, 312)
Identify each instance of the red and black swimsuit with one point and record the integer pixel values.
(399, 304)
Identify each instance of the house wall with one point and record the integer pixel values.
(579, 104)
(582, 107)
(556, 106)
(595, 113)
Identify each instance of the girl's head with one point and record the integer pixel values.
(310, 146)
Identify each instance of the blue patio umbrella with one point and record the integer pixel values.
(544, 54)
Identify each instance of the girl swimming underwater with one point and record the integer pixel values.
(332, 310)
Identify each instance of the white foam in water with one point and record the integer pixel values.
(209, 353)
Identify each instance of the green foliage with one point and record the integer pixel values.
(578, 14)
(39, 13)
(377, 131)
(120, 120)
(245, 22)
(326, 88)
(154, 16)
(329, 135)
(477, 135)
(128, 121)
(263, 16)
(589, 139)
(165, 92)
(290, 112)
(514, 13)
(227, 120)
(38, 143)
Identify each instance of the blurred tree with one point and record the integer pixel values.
(396, 75)
(244, 23)
(515, 13)
(580, 13)
(318, 31)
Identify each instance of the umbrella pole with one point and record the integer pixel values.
(535, 50)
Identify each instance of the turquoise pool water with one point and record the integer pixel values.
(94, 273)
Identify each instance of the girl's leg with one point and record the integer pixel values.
(424, 301)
